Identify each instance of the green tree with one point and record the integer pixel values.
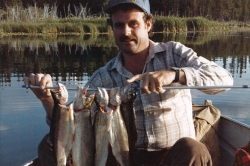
(10, 3)
(193, 8)
(96, 6)
(213, 9)
(237, 9)
(159, 7)
(245, 11)
(184, 8)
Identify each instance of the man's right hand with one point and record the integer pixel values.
(39, 80)
(43, 94)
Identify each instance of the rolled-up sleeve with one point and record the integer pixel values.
(201, 72)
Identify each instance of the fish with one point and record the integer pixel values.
(128, 96)
(110, 129)
(118, 133)
(62, 125)
(102, 122)
(83, 143)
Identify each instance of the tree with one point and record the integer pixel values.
(159, 7)
(213, 9)
(184, 9)
(10, 3)
(193, 8)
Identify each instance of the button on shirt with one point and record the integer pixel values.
(164, 118)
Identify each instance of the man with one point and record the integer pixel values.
(165, 127)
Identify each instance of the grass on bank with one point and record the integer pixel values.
(76, 26)
(98, 26)
(34, 20)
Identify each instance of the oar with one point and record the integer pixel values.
(165, 87)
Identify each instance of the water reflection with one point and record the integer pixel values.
(79, 56)
(63, 56)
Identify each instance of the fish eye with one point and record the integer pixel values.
(58, 95)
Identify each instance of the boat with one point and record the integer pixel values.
(232, 135)
(222, 135)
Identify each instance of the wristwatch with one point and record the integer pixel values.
(177, 73)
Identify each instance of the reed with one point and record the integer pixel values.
(93, 26)
(59, 27)
(34, 20)
(170, 24)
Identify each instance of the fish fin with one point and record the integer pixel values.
(109, 120)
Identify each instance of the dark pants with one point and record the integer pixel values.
(185, 152)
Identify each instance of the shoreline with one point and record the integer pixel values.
(98, 26)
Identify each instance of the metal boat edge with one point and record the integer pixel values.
(232, 135)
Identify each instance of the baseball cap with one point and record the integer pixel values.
(143, 4)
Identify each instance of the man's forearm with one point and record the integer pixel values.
(48, 104)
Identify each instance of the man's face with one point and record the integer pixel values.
(130, 31)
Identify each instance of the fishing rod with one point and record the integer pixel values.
(138, 88)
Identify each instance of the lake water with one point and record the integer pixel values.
(71, 59)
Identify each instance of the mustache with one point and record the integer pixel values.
(127, 38)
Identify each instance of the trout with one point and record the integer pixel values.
(83, 144)
(110, 129)
(62, 125)
(102, 124)
(128, 96)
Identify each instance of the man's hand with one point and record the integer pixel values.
(43, 94)
(153, 81)
(39, 80)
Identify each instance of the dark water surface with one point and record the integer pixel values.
(71, 59)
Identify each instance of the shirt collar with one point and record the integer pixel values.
(154, 47)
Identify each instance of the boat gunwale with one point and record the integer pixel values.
(236, 121)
